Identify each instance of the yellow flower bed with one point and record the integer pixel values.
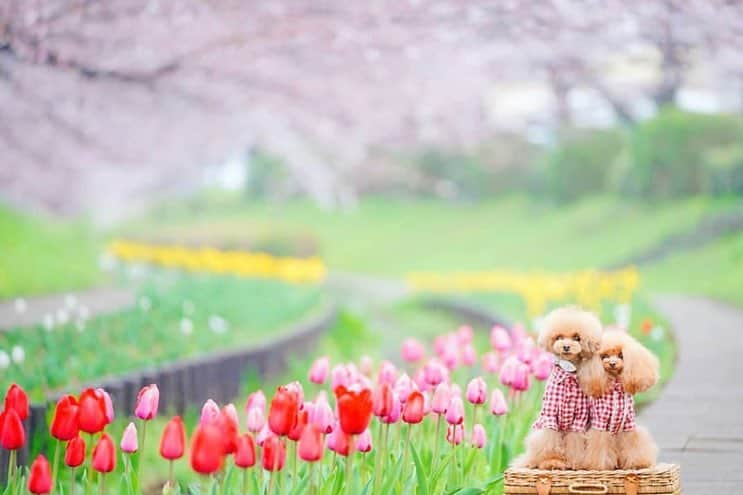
(588, 288)
(242, 263)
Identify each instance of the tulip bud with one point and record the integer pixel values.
(245, 452)
(147, 402)
(263, 435)
(498, 404)
(413, 410)
(16, 398)
(395, 411)
(274, 454)
(440, 398)
(256, 400)
(455, 411)
(382, 400)
(499, 339)
(255, 419)
(366, 365)
(338, 441)
(173, 440)
(354, 409)
(319, 370)
(40, 476)
(542, 366)
(75, 452)
(108, 404)
(64, 425)
(12, 434)
(322, 415)
(282, 415)
(310, 446)
(104, 455)
(521, 381)
(464, 335)
(403, 387)
(412, 350)
(92, 411)
(387, 373)
(209, 413)
(477, 391)
(469, 355)
(129, 442)
(490, 362)
(207, 449)
(364, 442)
(479, 437)
(454, 434)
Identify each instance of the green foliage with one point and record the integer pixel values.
(267, 176)
(668, 153)
(45, 255)
(581, 163)
(724, 169)
(226, 311)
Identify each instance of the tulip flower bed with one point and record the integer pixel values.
(448, 420)
(182, 317)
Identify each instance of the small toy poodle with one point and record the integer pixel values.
(557, 440)
(614, 440)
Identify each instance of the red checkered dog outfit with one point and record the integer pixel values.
(614, 411)
(564, 405)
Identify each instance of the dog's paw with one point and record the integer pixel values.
(552, 464)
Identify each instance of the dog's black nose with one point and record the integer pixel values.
(613, 365)
(566, 348)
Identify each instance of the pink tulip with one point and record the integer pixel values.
(427, 406)
(403, 387)
(231, 413)
(366, 365)
(263, 435)
(499, 339)
(455, 411)
(412, 350)
(469, 355)
(477, 391)
(450, 358)
(434, 372)
(256, 400)
(209, 413)
(341, 375)
(454, 434)
(526, 350)
(518, 334)
(508, 370)
(420, 380)
(364, 442)
(147, 402)
(319, 370)
(296, 388)
(395, 412)
(521, 381)
(255, 419)
(479, 437)
(455, 389)
(387, 373)
(465, 334)
(322, 415)
(440, 398)
(440, 344)
(542, 366)
(490, 362)
(498, 404)
(129, 442)
(109, 405)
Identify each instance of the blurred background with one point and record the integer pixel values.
(184, 176)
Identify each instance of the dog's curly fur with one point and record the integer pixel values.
(621, 358)
(572, 334)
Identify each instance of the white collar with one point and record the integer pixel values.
(566, 365)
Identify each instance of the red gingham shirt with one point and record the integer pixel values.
(613, 411)
(564, 405)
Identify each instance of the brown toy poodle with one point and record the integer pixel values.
(614, 440)
(557, 440)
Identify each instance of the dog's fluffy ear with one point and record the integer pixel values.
(592, 378)
(641, 367)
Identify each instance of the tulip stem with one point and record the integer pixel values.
(100, 483)
(89, 461)
(245, 481)
(141, 448)
(349, 460)
(170, 474)
(437, 442)
(55, 466)
(11, 468)
(380, 458)
(73, 472)
(271, 481)
(405, 450)
(294, 464)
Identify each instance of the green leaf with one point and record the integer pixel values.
(419, 472)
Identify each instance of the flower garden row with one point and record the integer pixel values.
(443, 422)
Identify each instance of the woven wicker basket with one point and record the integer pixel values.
(662, 479)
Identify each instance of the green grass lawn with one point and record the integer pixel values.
(177, 317)
(39, 255)
(394, 237)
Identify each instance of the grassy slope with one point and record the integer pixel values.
(393, 237)
(40, 255)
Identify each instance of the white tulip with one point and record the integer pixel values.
(186, 326)
(18, 354)
(4, 360)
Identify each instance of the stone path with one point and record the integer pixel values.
(698, 419)
(64, 307)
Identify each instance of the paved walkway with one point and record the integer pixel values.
(64, 307)
(698, 419)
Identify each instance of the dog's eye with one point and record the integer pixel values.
(576, 338)
(620, 356)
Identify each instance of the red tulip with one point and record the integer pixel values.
(173, 441)
(274, 454)
(302, 420)
(413, 410)
(16, 398)
(207, 449)
(74, 454)
(40, 476)
(104, 455)
(245, 452)
(227, 424)
(64, 425)
(354, 409)
(12, 434)
(311, 446)
(382, 400)
(282, 415)
(91, 414)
